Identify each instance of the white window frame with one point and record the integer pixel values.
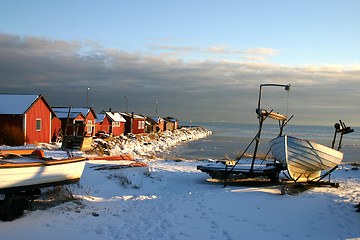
(89, 127)
(38, 120)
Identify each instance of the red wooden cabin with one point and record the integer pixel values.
(110, 122)
(134, 123)
(30, 113)
(171, 123)
(161, 123)
(80, 121)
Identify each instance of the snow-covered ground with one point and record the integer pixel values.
(173, 200)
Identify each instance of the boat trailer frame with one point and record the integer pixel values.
(274, 168)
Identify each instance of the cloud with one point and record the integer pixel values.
(252, 58)
(208, 89)
(262, 51)
(214, 50)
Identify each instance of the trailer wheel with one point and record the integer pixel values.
(274, 178)
(14, 210)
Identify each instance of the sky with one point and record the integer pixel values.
(200, 60)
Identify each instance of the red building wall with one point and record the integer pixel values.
(103, 126)
(161, 125)
(11, 120)
(71, 129)
(118, 130)
(90, 118)
(55, 128)
(12, 123)
(138, 126)
(39, 111)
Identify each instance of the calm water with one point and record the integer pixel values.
(230, 139)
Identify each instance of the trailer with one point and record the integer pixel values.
(234, 169)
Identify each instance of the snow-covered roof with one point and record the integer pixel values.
(171, 119)
(100, 118)
(116, 117)
(16, 104)
(156, 119)
(62, 112)
(130, 114)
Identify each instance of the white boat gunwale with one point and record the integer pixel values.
(33, 171)
(46, 162)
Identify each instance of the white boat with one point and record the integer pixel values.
(28, 169)
(304, 159)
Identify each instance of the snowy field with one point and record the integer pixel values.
(173, 200)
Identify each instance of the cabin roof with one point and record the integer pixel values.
(116, 117)
(19, 104)
(151, 121)
(156, 119)
(130, 115)
(171, 119)
(62, 112)
(100, 117)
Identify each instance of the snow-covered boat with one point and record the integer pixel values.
(28, 169)
(303, 159)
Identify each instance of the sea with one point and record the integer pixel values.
(229, 140)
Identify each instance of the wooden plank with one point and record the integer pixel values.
(86, 144)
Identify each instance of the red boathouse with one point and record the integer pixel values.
(30, 114)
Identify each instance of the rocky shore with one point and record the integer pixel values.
(147, 145)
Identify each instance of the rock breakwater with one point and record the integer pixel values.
(147, 145)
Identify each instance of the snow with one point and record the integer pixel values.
(16, 104)
(62, 112)
(173, 200)
(116, 117)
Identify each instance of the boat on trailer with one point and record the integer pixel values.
(305, 160)
(24, 172)
(28, 169)
(231, 169)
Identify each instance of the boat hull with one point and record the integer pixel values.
(24, 175)
(304, 159)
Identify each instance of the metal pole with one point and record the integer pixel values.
(156, 102)
(87, 97)
(287, 88)
(261, 120)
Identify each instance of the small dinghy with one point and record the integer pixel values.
(304, 159)
(28, 169)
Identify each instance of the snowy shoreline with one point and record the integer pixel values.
(173, 200)
(148, 145)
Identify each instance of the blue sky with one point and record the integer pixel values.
(302, 32)
(199, 56)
